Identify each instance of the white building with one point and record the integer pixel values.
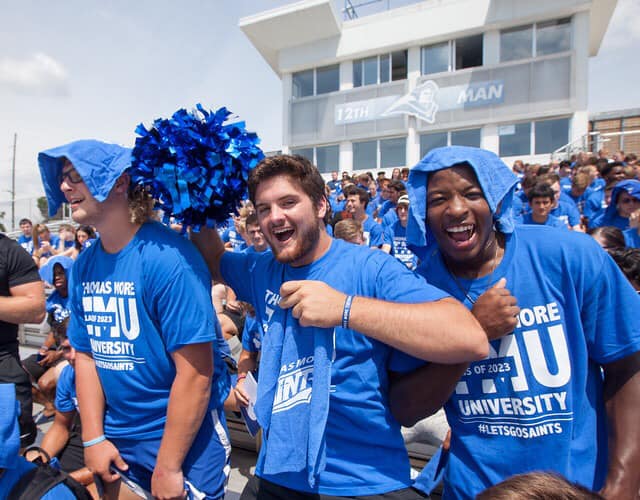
(380, 91)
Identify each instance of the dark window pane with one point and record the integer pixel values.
(365, 155)
(384, 68)
(515, 139)
(357, 73)
(470, 137)
(370, 70)
(327, 158)
(435, 58)
(303, 83)
(553, 36)
(432, 141)
(306, 152)
(399, 65)
(393, 152)
(516, 43)
(551, 135)
(327, 79)
(469, 52)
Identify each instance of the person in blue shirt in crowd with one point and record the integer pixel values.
(374, 234)
(541, 200)
(149, 381)
(13, 466)
(329, 346)
(625, 199)
(398, 234)
(45, 244)
(560, 389)
(26, 238)
(563, 206)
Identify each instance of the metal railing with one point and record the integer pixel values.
(592, 141)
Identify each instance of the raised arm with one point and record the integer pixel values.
(442, 331)
(208, 242)
(622, 400)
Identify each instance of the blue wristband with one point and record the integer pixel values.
(346, 311)
(93, 441)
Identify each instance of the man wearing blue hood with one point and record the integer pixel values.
(625, 199)
(556, 310)
(150, 385)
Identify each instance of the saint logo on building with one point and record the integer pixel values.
(421, 102)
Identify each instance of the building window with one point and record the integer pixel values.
(326, 158)
(551, 135)
(435, 58)
(365, 155)
(393, 152)
(380, 69)
(516, 43)
(316, 81)
(368, 155)
(551, 37)
(467, 137)
(468, 52)
(456, 54)
(303, 83)
(515, 140)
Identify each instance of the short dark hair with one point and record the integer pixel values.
(397, 185)
(540, 190)
(25, 221)
(297, 168)
(612, 236)
(628, 260)
(251, 220)
(362, 194)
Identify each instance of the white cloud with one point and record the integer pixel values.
(39, 74)
(624, 29)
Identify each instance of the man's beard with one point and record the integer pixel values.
(305, 243)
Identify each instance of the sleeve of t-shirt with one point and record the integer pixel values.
(180, 297)
(376, 236)
(64, 398)
(21, 269)
(235, 268)
(251, 330)
(77, 329)
(610, 310)
(396, 283)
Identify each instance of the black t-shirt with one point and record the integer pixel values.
(16, 268)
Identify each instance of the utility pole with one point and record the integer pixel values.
(13, 184)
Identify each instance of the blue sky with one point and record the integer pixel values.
(78, 69)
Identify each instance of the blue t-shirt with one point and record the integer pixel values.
(359, 415)
(385, 207)
(567, 212)
(551, 221)
(66, 398)
(252, 334)
(58, 305)
(230, 235)
(594, 205)
(399, 249)
(131, 310)
(373, 233)
(26, 242)
(536, 402)
(631, 237)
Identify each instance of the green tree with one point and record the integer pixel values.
(2, 227)
(43, 206)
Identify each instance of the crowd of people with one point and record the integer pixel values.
(359, 305)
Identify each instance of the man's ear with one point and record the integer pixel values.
(122, 183)
(322, 207)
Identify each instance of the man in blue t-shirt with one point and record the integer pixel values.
(26, 238)
(541, 201)
(398, 234)
(150, 383)
(559, 315)
(338, 320)
(374, 235)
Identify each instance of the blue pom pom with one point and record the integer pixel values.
(195, 165)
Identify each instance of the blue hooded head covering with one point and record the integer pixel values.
(631, 186)
(495, 178)
(46, 271)
(98, 163)
(9, 429)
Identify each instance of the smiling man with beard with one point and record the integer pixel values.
(338, 321)
(558, 313)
